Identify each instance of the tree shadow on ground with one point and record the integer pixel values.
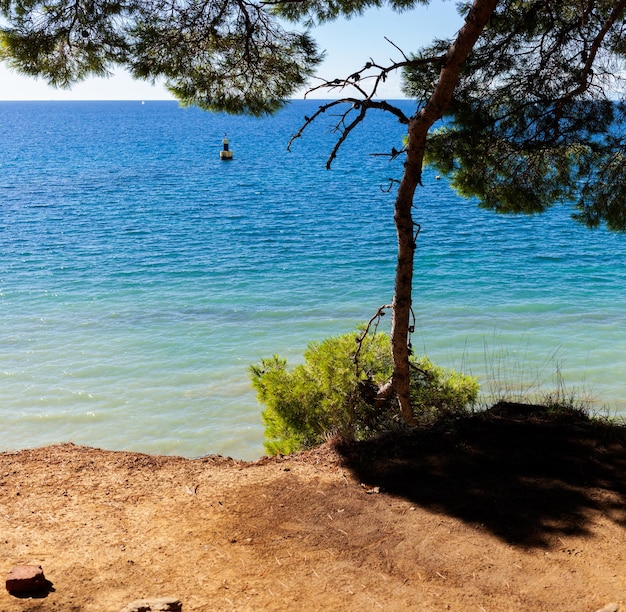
(523, 474)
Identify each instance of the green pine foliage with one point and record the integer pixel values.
(538, 116)
(335, 394)
(226, 56)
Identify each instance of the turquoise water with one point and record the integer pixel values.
(140, 275)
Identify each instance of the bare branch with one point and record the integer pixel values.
(392, 154)
(406, 59)
(356, 104)
(345, 132)
(376, 318)
(392, 182)
(308, 120)
(365, 101)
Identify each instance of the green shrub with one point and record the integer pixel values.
(331, 394)
(438, 392)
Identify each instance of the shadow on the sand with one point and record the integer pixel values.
(526, 477)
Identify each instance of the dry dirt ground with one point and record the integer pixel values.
(501, 512)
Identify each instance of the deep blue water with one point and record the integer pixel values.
(140, 275)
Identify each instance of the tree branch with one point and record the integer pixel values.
(364, 103)
(356, 104)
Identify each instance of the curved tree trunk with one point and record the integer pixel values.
(418, 129)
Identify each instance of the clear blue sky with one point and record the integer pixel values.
(348, 44)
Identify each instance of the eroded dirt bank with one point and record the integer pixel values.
(508, 513)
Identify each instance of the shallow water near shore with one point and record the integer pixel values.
(141, 276)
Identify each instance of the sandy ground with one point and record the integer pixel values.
(498, 513)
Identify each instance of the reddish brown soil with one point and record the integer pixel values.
(500, 512)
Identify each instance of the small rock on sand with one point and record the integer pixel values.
(162, 604)
(26, 579)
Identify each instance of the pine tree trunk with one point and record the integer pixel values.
(418, 129)
(401, 305)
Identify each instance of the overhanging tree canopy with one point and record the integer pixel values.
(537, 116)
(230, 55)
(532, 92)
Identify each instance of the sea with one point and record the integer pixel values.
(141, 276)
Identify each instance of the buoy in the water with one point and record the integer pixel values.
(225, 153)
